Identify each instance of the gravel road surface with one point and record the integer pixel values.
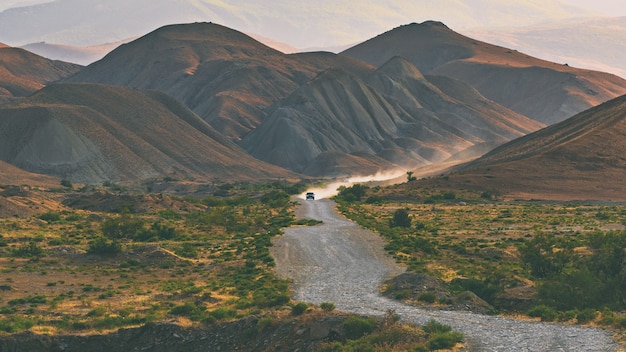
(342, 263)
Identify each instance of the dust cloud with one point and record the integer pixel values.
(331, 189)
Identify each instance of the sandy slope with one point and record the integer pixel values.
(342, 263)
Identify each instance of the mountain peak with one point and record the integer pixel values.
(207, 31)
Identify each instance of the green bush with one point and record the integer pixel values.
(29, 250)
(327, 306)
(188, 309)
(400, 218)
(586, 316)
(50, 217)
(445, 340)
(353, 193)
(544, 312)
(435, 327)
(125, 227)
(104, 246)
(299, 308)
(356, 327)
(427, 297)
(275, 199)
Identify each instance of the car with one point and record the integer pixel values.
(310, 195)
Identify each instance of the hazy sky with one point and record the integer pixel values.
(608, 7)
(303, 24)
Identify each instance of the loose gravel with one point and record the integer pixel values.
(342, 263)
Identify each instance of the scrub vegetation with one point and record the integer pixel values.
(193, 261)
(84, 270)
(549, 260)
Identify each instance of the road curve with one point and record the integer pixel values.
(342, 263)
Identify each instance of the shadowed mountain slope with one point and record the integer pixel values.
(542, 90)
(93, 133)
(226, 77)
(393, 116)
(22, 72)
(581, 158)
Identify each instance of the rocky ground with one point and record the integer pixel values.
(340, 262)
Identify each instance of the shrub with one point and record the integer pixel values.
(448, 195)
(50, 217)
(356, 327)
(435, 327)
(327, 306)
(265, 323)
(427, 297)
(275, 199)
(97, 312)
(353, 193)
(445, 340)
(188, 309)
(299, 308)
(544, 312)
(29, 250)
(123, 227)
(586, 316)
(104, 246)
(374, 199)
(400, 218)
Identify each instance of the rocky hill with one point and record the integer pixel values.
(225, 76)
(545, 91)
(581, 158)
(358, 118)
(93, 133)
(338, 124)
(22, 72)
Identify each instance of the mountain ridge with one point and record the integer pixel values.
(579, 159)
(546, 91)
(73, 131)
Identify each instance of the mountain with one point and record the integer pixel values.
(545, 91)
(581, 158)
(82, 55)
(596, 43)
(94, 133)
(22, 72)
(223, 75)
(394, 117)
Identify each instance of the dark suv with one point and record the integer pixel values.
(310, 195)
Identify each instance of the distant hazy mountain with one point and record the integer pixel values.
(93, 133)
(546, 91)
(580, 158)
(22, 72)
(82, 55)
(301, 24)
(597, 44)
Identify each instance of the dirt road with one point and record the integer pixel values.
(342, 263)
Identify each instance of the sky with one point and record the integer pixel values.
(607, 7)
(301, 23)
